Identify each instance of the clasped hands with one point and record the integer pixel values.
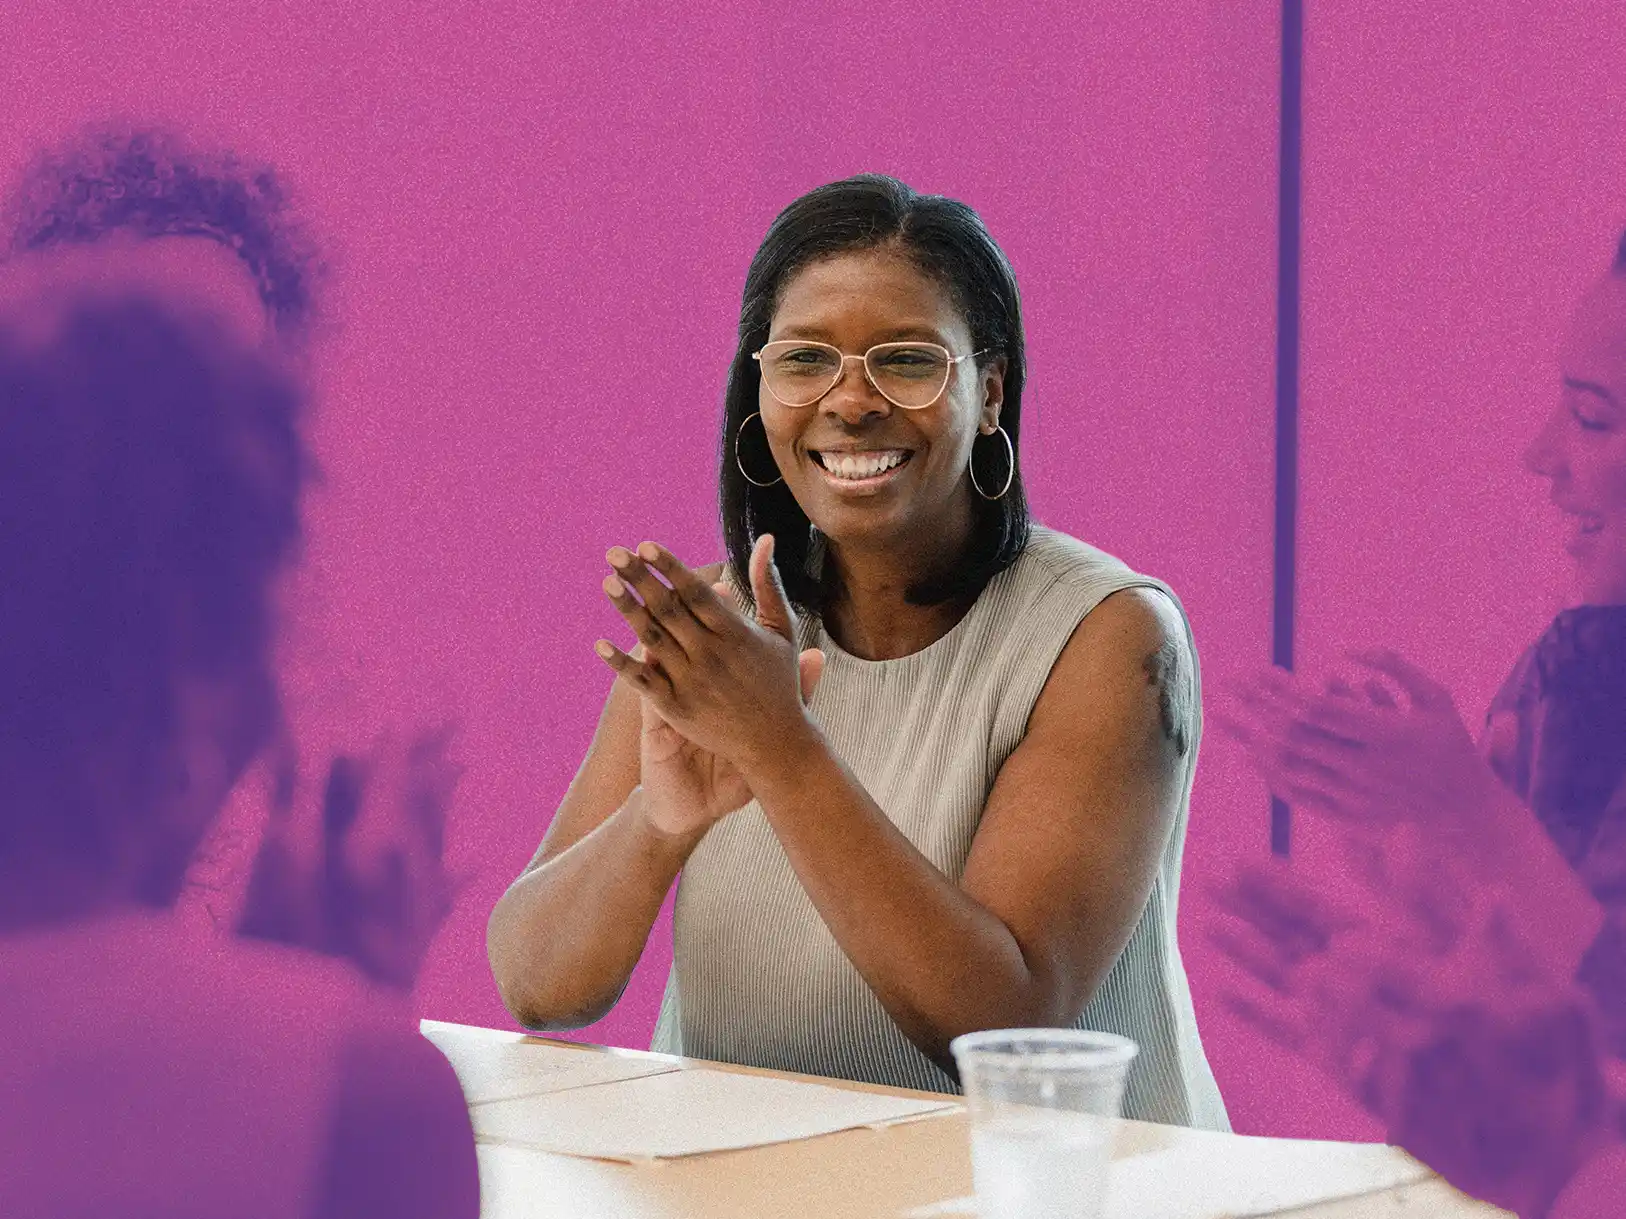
(709, 676)
(1415, 984)
(1386, 747)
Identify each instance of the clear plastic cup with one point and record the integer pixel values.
(1044, 1107)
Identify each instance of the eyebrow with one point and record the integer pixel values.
(896, 334)
(1588, 387)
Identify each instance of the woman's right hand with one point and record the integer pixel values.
(686, 789)
(1364, 757)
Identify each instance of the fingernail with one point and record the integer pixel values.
(619, 556)
(613, 586)
(604, 650)
(649, 552)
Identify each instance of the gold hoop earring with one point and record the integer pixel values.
(1010, 466)
(740, 464)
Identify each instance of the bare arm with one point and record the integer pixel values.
(566, 936)
(1061, 866)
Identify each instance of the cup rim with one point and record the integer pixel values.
(1066, 1048)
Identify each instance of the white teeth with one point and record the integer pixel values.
(844, 465)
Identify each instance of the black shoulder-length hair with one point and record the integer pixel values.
(948, 241)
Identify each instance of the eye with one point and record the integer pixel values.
(910, 355)
(911, 362)
(1590, 423)
(803, 359)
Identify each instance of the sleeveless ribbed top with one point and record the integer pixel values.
(758, 979)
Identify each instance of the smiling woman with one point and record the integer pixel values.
(1515, 840)
(923, 764)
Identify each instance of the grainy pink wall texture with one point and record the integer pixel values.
(530, 207)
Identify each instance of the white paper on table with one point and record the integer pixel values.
(689, 1112)
(1213, 1176)
(494, 1066)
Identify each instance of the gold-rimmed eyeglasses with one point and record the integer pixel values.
(912, 375)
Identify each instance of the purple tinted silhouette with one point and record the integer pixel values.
(1473, 993)
(151, 469)
(351, 864)
(150, 182)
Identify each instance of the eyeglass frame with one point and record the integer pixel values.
(954, 362)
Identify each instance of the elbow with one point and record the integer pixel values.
(529, 1010)
(537, 1009)
(1036, 1005)
(527, 982)
(515, 977)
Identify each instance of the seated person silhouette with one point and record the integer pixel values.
(151, 470)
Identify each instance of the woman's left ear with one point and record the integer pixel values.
(988, 420)
(993, 395)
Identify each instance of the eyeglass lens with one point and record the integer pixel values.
(911, 375)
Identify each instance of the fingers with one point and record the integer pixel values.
(810, 667)
(707, 604)
(644, 676)
(1274, 898)
(1371, 689)
(1303, 763)
(773, 607)
(1424, 692)
(1339, 711)
(1331, 717)
(1245, 946)
(1311, 775)
(1280, 1019)
(431, 782)
(655, 637)
(432, 743)
(659, 617)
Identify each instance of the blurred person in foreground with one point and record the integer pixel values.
(151, 469)
(340, 850)
(1474, 996)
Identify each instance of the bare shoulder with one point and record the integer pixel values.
(1138, 628)
(401, 1142)
(1133, 616)
(1134, 642)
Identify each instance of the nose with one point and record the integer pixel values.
(1544, 455)
(854, 396)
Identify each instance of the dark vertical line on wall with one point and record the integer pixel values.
(1285, 555)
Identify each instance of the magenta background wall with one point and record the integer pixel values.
(516, 196)
(1462, 185)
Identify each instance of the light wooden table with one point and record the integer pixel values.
(854, 1174)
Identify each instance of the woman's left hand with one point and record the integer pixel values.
(730, 685)
(1364, 757)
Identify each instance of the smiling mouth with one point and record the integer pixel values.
(861, 467)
